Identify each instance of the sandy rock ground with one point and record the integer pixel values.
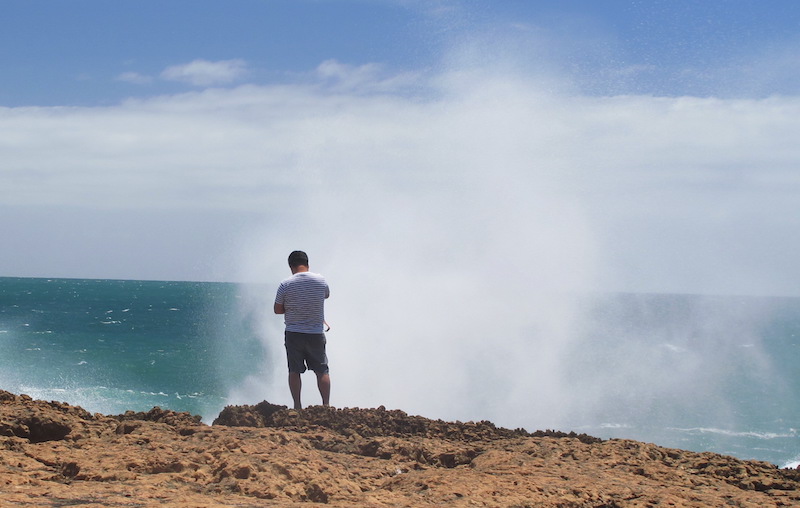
(54, 454)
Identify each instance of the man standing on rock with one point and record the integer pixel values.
(301, 299)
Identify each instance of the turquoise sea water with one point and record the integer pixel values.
(701, 373)
(112, 345)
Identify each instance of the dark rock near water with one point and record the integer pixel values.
(159, 415)
(375, 422)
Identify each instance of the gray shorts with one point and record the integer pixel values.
(306, 349)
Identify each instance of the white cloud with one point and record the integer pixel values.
(332, 69)
(368, 78)
(672, 194)
(206, 73)
(135, 78)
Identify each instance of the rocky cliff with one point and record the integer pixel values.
(54, 454)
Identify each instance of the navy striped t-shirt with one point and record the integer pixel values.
(303, 298)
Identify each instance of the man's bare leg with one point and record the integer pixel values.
(295, 385)
(324, 385)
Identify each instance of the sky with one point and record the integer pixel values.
(643, 146)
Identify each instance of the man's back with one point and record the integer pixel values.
(303, 298)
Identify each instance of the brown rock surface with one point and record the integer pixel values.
(54, 454)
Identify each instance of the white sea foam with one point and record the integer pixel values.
(109, 400)
(795, 464)
(614, 426)
(733, 433)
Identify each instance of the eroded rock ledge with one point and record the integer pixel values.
(375, 422)
(54, 454)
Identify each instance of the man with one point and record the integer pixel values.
(301, 299)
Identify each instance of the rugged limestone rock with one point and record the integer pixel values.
(374, 422)
(53, 454)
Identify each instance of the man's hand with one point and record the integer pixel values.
(279, 309)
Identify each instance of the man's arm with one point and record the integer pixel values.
(279, 299)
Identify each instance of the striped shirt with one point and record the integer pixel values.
(303, 298)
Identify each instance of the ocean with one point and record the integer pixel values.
(116, 345)
(700, 373)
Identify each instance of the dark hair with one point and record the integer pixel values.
(298, 258)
